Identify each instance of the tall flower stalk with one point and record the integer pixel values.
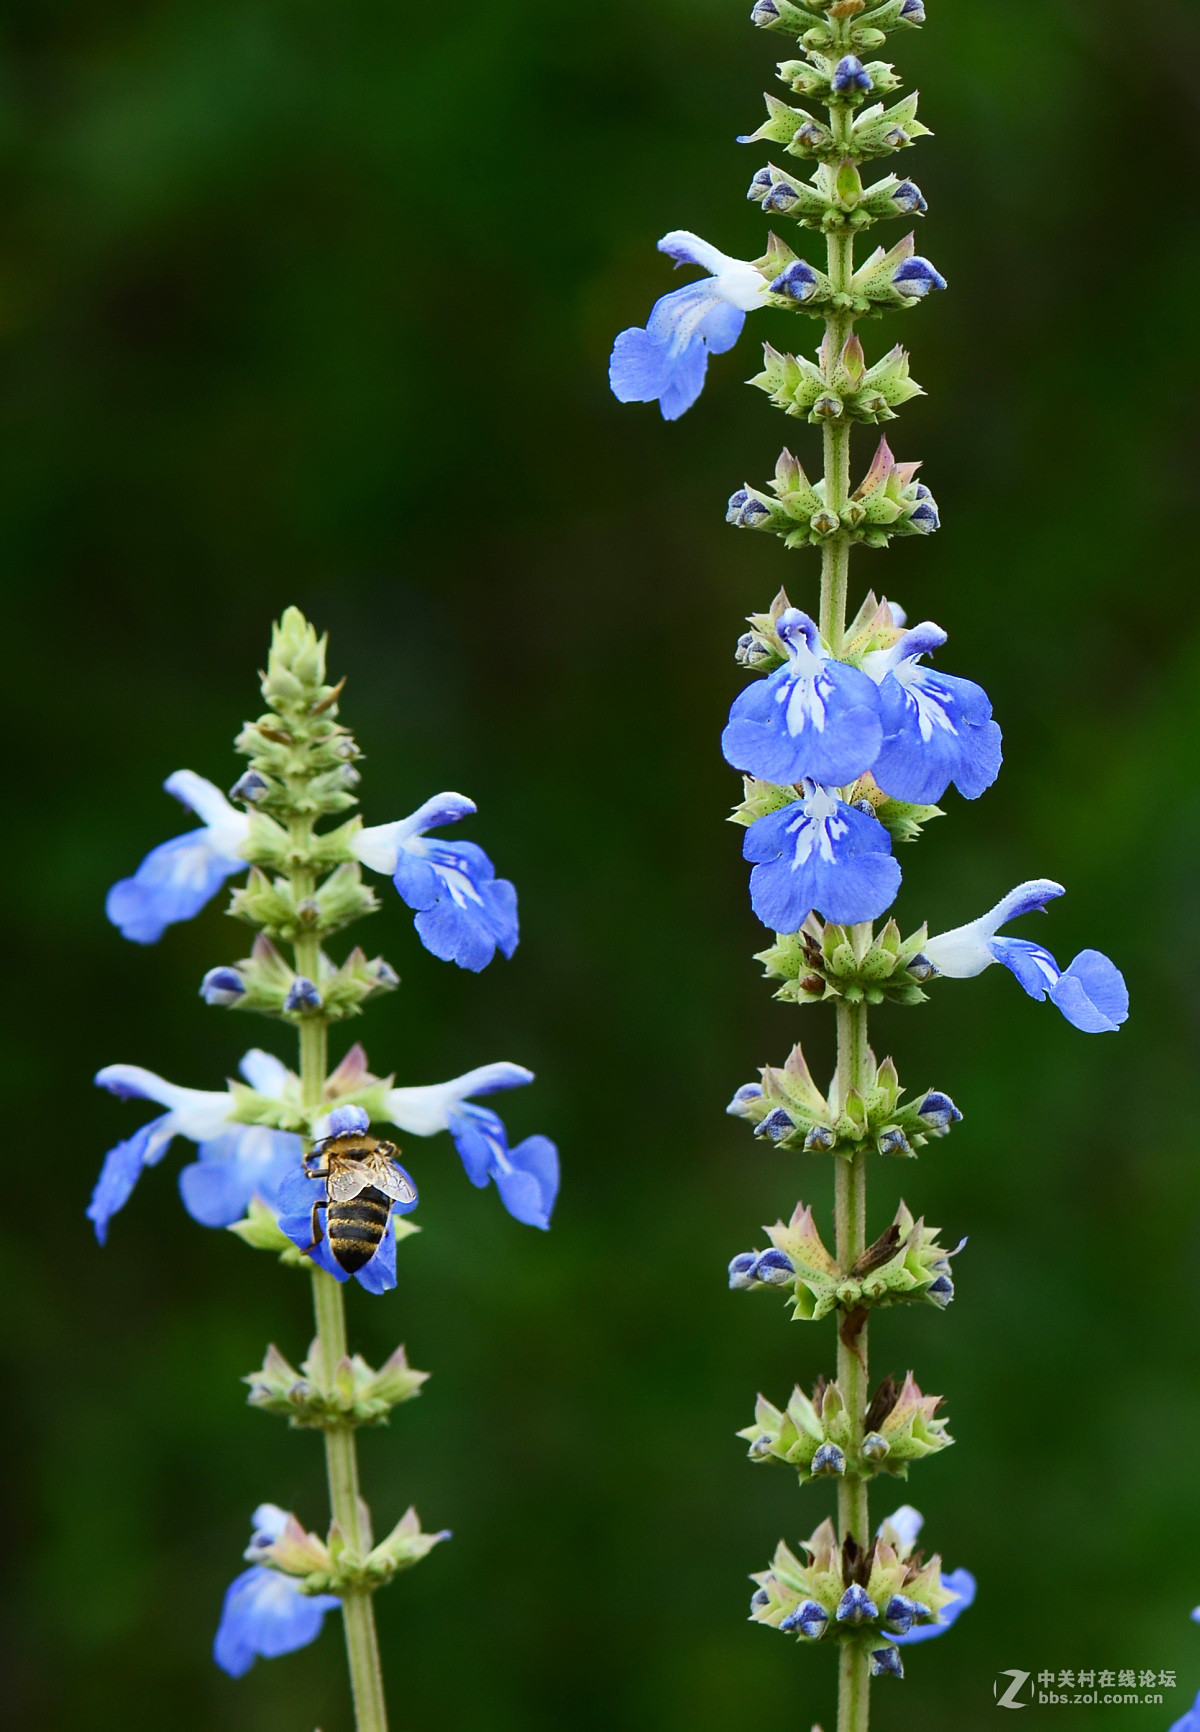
(846, 745)
(287, 1159)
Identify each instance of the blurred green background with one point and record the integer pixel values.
(312, 303)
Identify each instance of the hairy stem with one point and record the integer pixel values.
(341, 1455)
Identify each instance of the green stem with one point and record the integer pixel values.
(341, 1455)
(850, 1221)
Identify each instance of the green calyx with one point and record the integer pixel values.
(818, 1439)
(823, 961)
(882, 506)
(341, 989)
(885, 1570)
(334, 1567)
(876, 131)
(837, 388)
(356, 1395)
(905, 1265)
(792, 1112)
(845, 24)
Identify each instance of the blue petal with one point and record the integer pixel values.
(841, 867)
(379, 1275)
(464, 912)
(528, 1192)
(1032, 964)
(772, 731)
(266, 1614)
(960, 1582)
(123, 1168)
(963, 744)
(1092, 993)
(1191, 1720)
(172, 883)
(668, 360)
(247, 1162)
(479, 1136)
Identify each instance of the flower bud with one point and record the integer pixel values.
(760, 186)
(819, 1140)
(856, 1606)
(798, 282)
(750, 651)
(348, 1121)
(766, 13)
(742, 1270)
(781, 198)
(941, 1291)
(302, 996)
(223, 986)
(875, 1447)
(753, 513)
(810, 1619)
(894, 1142)
(250, 788)
(828, 1459)
(850, 76)
(777, 1126)
(775, 1268)
(924, 517)
(912, 11)
(737, 502)
(758, 1599)
(939, 1111)
(812, 136)
(886, 1662)
(916, 277)
(921, 968)
(901, 1613)
(909, 200)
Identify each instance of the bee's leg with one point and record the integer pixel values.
(318, 1232)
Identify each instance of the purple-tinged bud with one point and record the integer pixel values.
(916, 277)
(302, 995)
(385, 974)
(250, 788)
(856, 1606)
(742, 1271)
(921, 968)
(886, 1663)
(766, 13)
(348, 1122)
(865, 807)
(753, 513)
(810, 1619)
(913, 11)
(798, 282)
(909, 199)
(759, 1599)
(762, 1446)
(895, 138)
(924, 517)
(941, 1291)
(748, 1091)
(875, 1447)
(901, 1613)
(749, 652)
(829, 1459)
(776, 1126)
(760, 186)
(894, 1142)
(737, 501)
(850, 75)
(813, 135)
(775, 1268)
(782, 196)
(222, 986)
(828, 407)
(819, 1140)
(939, 1111)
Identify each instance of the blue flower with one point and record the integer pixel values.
(299, 1191)
(175, 880)
(937, 729)
(1191, 1720)
(1091, 993)
(236, 1162)
(526, 1177)
(666, 362)
(819, 854)
(813, 718)
(464, 912)
(265, 1612)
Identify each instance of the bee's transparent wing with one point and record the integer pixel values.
(394, 1182)
(347, 1180)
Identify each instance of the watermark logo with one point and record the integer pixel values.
(1008, 1687)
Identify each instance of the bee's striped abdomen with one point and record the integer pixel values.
(355, 1229)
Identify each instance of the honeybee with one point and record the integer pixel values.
(363, 1181)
